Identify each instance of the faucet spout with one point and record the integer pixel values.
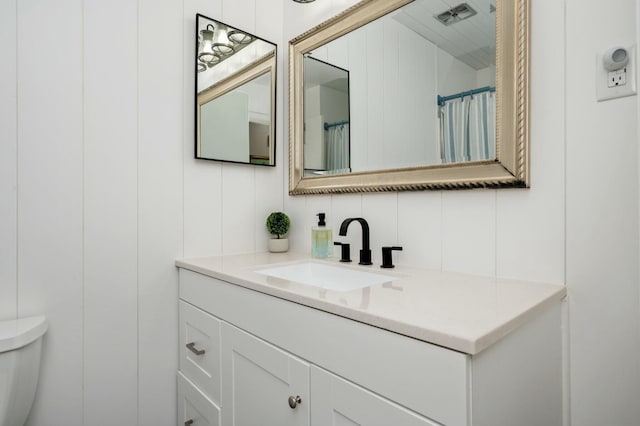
(365, 253)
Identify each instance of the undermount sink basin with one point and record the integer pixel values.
(330, 277)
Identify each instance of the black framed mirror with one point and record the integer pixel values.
(235, 95)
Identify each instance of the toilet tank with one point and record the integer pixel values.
(20, 350)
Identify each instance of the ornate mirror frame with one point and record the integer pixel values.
(510, 169)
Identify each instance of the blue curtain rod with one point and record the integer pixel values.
(443, 99)
(337, 123)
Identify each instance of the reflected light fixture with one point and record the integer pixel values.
(206, 53)
(304, 1)
(238, 37)
(217, 42)
(221, 44)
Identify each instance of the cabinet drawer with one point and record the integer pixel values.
(194, 408)
(200, 349)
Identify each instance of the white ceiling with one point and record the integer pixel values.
(318, 72)
(471, 41)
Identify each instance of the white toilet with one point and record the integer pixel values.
(20, 348)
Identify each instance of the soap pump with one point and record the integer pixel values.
(321, 239)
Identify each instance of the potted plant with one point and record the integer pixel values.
(278, 225)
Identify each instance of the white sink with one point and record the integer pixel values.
(331, 277)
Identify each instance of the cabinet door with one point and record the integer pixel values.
(258, 380)
(194, 408)
(338, 402)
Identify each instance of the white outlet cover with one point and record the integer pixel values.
(603, 91)
(617, 78)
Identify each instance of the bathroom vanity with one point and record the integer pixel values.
(423, 348)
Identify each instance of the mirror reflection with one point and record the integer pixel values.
(235, 95)
(420, 89)
(326, 117)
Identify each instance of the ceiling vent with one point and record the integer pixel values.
(456, 14)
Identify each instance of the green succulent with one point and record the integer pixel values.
(278, 224)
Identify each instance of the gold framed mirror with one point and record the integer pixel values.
(503, 157)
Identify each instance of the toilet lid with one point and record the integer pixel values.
(15, 334)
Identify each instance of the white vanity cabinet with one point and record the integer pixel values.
(263, 385)
(336, 371)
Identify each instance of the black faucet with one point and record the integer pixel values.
(365, 253)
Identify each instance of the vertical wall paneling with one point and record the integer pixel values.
(417, 96)
(540, 244)
(420, 229)
(238, 181)
(299, 237)
(160, 198)
(8, 162)
(110, 211)
(202, 179)
(376, 96)
(269, 181)
(50, 174)
(238, 214)
(338, 52)
(469, 231)
(240, 14)
(358, 110)
(453, 75)
(390, 95)
(202, 207)
(602, 224)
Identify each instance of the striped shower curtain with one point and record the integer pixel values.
(468, 129)
(338, 149)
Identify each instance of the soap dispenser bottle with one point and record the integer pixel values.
(321, 239)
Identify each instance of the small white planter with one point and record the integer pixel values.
(278, 245)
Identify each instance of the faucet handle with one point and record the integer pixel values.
(345, 255)
(387, 259)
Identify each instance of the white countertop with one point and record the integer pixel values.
(466, 313)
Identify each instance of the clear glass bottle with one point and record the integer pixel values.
(321, 239)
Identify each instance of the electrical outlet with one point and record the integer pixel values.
(616, 84)
(618, 78)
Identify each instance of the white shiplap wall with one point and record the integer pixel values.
(602, 223)
(50, 180)
(8, 163)
(110, 201)
(99, 193)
